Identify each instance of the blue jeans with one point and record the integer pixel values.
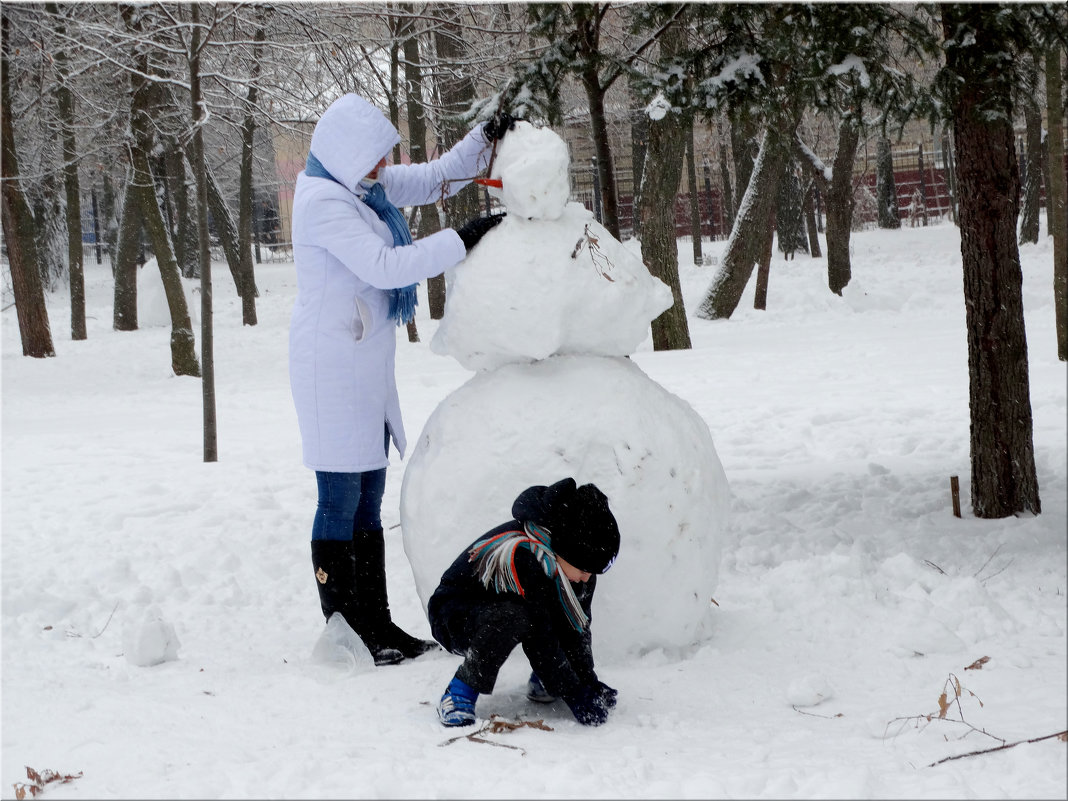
(348, 502)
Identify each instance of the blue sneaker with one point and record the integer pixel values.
(536, 691)
(457, 705)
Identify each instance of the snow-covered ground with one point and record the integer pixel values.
(849, 597)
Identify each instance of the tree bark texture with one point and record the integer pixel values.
(457, 94)
(1004, 480)
(885, 188)
(142, 193)
(725, 182)
(606, 171)
(746, 244)
(1057, 194)
(840, 207)
(814, 249)
(665, 154)
(247, 286)
(184, 227)
(744, 149)
(18, 226)
(124, 265)
(695, 200)
(639, 145)
(65, 109)
(417, 150)
(760, 296)
(200, 174)
(1032, 183)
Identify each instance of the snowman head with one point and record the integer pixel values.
(532, 165)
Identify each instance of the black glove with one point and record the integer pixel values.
(587, 705)
(606, 694)
(500, 124)
(473, 230)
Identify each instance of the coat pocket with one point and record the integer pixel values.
(362, 319)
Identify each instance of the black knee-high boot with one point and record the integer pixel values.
(334, 576)
(372, 601)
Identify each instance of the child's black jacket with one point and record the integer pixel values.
(461, 594)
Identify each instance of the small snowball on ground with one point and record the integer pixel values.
(149, 640)
(809, 690)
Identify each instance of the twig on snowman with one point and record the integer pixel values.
(601, 262)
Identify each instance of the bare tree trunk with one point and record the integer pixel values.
(760, 298)
(207, 337)
(185, 228)
(639, 146)
(695, 205)
(746, 244)
(664, 157)
(659, 241)
(124, 263)
(18, 226)
(1032, 185)
(814, 249)
(457, 94)
(886, 189)
(1004, 481)
(606, 171)
(1056, 192)
(142, 193)
(183, 350)
(417, 149)
(246, 278)
(65, 108)
(725, 181)
(744, 150)
(840, 207)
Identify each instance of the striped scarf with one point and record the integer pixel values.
(402, 300)
(496, 567)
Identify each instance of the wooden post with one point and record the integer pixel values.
(954, 488)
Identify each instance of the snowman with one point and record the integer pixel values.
(546, 311)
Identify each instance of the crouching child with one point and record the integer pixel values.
(529, 582)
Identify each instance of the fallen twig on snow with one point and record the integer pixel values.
(499, 725)
(814, 715)
(1062, 735)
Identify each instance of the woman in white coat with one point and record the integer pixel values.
(357, 268)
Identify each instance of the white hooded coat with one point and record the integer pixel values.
(342, 343)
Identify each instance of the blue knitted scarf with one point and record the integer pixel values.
(403, 300)
(495, 556)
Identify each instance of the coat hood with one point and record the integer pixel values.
(581, 527)
(350, 138)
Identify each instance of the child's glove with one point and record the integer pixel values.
(606, 694)
(473, 230)
(588, 706)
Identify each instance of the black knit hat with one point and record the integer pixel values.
(581, 526)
